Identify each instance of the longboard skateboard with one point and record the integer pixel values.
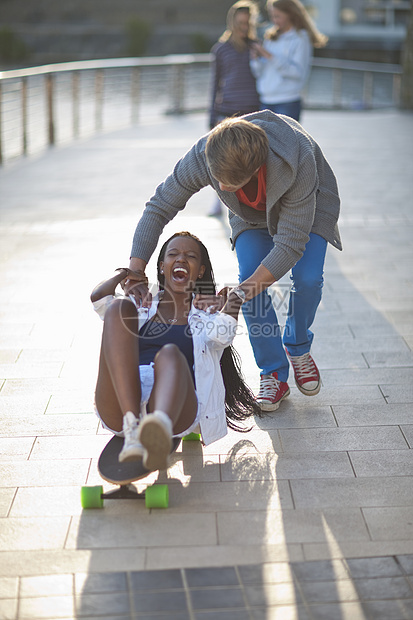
(123, 474)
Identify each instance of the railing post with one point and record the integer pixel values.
(178, 80)
(24, 115)
(50, 111)
(75, 103)
(368, 89)
(397, 81)
(1, 126)
(337, 84)
(135, 91)
(99, 83)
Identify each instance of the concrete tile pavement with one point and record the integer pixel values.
(324, 482)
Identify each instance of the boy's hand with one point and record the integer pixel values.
(136, 283)
(137, 287)
(211, 303)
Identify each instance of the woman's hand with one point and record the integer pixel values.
(211, 303)
(108, 287)
(257, 51)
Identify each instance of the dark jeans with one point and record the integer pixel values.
(290, 108)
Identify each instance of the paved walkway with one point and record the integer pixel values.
(310, 515)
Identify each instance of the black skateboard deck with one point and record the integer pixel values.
(122, 473)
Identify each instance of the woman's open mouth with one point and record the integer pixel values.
(180, 274)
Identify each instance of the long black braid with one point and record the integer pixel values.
(240, 403)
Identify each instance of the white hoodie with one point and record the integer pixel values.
(281, 78)
(211, 334)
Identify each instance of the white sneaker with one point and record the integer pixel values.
(155, 435)
(132, 448)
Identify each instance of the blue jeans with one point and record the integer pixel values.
(289, 108)
(264, 330)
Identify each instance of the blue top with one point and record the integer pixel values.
(153, 336)
(233, 84)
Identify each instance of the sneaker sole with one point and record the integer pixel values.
(131, 455)
(157, 443)
(308, 392)
(273, 406)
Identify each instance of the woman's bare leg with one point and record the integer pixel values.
(173, 391)
(118, 388)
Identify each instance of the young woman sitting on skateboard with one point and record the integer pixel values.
(169, 359)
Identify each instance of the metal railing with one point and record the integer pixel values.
(354, 84)
(55, 103)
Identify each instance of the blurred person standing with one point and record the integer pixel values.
(282, 64)
(233, 85)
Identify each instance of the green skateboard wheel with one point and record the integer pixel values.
(91, 497)
(157, 496)
(192, 437)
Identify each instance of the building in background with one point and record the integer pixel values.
(48, 31)
(371, 30)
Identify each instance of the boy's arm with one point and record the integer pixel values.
(137, 283)
(259, 281)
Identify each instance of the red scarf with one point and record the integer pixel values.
(254, 193)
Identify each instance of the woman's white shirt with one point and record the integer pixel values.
(282, 77)
(211, 334)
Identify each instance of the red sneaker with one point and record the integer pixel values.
(306, 374)
(272, 392)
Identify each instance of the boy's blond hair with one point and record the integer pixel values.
(235, 150)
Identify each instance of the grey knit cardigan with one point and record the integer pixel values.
(302, 195)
